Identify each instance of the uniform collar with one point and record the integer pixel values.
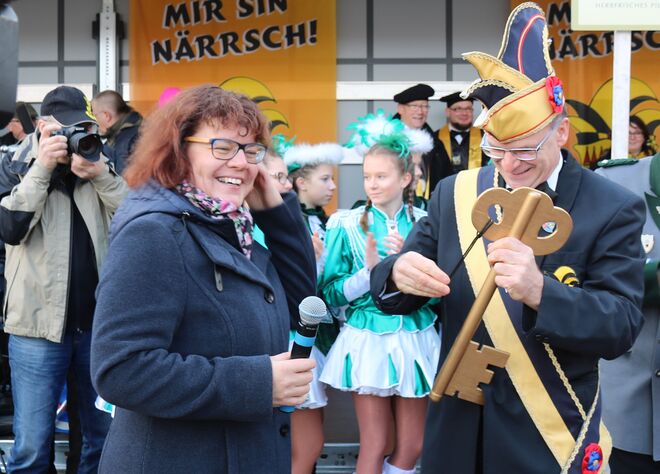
(397, 215)
(553, 179)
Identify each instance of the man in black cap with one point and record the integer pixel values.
(55, 223)
(413, 109)
(461, 141)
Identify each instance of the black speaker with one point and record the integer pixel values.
(8, 62)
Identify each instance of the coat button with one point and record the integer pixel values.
(269, 297)
(284, 430)
(657, 373)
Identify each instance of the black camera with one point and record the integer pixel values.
(80, 142)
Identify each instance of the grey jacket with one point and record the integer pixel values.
(631, 383)
(35, 223)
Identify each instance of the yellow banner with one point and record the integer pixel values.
(281, 53)
(583, 61)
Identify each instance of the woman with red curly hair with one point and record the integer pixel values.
(192, 317)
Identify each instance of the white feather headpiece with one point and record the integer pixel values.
(305, 154)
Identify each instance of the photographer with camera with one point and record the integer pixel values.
(55, 222)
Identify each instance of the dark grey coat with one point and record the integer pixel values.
(183, 331)
(631, 383)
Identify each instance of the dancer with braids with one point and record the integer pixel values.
(388, 362)
(310, 170)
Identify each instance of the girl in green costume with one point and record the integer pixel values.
(311, 169)
(387, 361)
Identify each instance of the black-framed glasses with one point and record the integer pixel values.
(281, 177)
(225, 149)
(523, 154)
(421, 107)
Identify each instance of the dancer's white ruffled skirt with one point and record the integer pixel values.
(400, 363)
(317, 397)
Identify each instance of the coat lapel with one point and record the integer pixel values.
(568, 185)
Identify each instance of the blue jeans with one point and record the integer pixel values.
(38, 372)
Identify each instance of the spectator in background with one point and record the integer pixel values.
(55, 223)
(640, 141)
(640, 144)
(118, 123)
(460, 139)
(16, 127)
(630, 383)
(7, 181)
(413, 110)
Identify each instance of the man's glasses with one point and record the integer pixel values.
(418, 106)
(225, 149)
(282, 178)
(523, 154)
(461, 109)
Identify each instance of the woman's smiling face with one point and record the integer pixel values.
(229, 180)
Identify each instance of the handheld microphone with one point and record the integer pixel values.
(312, 311)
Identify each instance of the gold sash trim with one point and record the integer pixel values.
(474, 145)
(423, 189)
(528, 385)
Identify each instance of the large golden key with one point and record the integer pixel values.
(524, 212)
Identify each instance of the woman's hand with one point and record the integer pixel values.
(318, 245)
(264, 194)
(371, 257)
(291, 379)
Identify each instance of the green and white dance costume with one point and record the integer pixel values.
(375, 353)
(316, 219)
(317, 397)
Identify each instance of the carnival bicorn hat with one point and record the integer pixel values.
(518, 88)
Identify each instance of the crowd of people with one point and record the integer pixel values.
(155, 268)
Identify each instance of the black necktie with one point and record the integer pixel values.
(545, 188)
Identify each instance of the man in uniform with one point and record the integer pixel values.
(413, 110)
(631, 383)
(460, 139)
(555, 315)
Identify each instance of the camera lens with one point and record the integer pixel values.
(87, 145)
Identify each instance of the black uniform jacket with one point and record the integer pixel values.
(600, 318)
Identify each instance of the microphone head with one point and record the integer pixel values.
(312, 311)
